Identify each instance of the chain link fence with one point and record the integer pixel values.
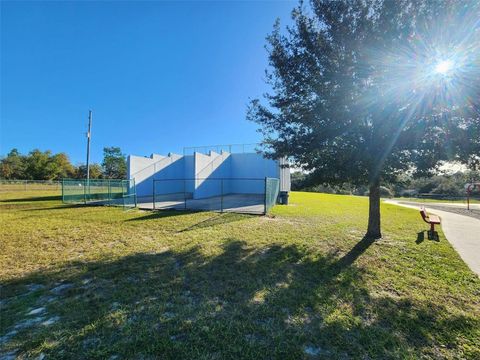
(30, 185)
(239, 195)
(272, 188)
(99, 192)
(231, 148)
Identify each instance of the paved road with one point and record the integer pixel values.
(457, 208)
(461, 231)
(460, 205)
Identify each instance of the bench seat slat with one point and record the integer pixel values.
(434, 219)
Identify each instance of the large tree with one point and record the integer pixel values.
(38, 165)
(365, 90)
(114, 163)
(12, 166)
(60, 167)
(96, 171)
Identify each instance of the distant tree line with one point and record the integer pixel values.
(452, 185)
(44, 165)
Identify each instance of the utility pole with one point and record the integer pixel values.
(88, 144)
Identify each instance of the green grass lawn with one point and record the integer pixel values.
(98, 282)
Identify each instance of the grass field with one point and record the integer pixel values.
(98, 282)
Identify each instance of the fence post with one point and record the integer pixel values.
(109, 190)
(221, 195)
(153, 193)
(185, 193)
(85, 192)
(63, 199)
(135, 192)
(26, 185)
(265, 197)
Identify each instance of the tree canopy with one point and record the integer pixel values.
(357, 95)
(37, 165)
(96, 171)
(114, 163)
(12, 166)
(43, 165)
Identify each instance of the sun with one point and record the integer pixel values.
(444, 67)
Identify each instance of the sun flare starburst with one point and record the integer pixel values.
(444, 67)
(433, 68)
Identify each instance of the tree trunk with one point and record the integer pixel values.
(373, 231)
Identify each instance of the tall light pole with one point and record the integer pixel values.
(88, 144)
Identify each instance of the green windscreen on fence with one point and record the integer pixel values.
(99, 191)
(272, 187)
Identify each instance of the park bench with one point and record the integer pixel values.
(430, 219)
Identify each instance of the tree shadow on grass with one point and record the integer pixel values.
(214, 220)
(349, 258)
(276, 302)
(159, 214)
(217, 219)
(60, 207)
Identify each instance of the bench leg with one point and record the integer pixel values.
(431, 232)
(432, 235)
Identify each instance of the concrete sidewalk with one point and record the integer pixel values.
(461, 231)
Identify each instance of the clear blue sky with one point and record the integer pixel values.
(158, 75)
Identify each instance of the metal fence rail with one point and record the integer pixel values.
(100, 192)
(29, 185)
(231, 148)
(240, 195)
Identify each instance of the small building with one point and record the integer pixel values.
(206, 175)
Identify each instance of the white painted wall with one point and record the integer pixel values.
(252, 165)
(208, 168)
(144, 170)
(138, 163)
(189, 171)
